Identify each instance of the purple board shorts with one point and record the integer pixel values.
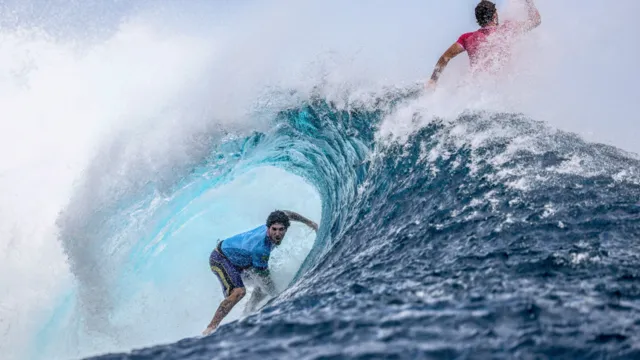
(226, 272)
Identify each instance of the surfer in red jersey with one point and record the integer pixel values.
(487, 47)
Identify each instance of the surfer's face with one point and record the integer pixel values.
(276, 233)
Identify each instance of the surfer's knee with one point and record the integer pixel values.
(237, 294)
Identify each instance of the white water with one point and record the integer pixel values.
(148, 85)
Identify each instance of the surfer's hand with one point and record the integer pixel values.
(313, 225)
(431, 85)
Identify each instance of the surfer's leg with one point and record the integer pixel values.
(225, 307)
(232, 287)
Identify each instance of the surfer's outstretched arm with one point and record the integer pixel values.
(453, 51)
(533, 17)
(297, 217)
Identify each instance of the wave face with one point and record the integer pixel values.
(488, 236)
(135, 134)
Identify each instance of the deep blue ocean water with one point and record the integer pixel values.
(439, 246)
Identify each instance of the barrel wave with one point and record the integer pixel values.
(489, 235)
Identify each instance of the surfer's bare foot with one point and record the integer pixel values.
(208, 330)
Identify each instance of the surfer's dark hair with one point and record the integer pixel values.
(484, 12)
(278, 217)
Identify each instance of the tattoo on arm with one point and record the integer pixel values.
(297, 217)
(453, 51)
(436, 73)
(294, 215)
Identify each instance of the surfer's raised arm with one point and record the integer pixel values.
(533, 17)
(477, 44)
(294, 216)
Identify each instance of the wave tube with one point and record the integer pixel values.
(488, 234)
(140, 253)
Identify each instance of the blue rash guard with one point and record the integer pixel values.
(249, 249)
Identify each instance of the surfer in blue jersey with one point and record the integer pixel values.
(249, 251)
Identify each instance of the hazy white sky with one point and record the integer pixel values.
(581, 61)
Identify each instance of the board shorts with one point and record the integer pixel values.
(227, 273)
